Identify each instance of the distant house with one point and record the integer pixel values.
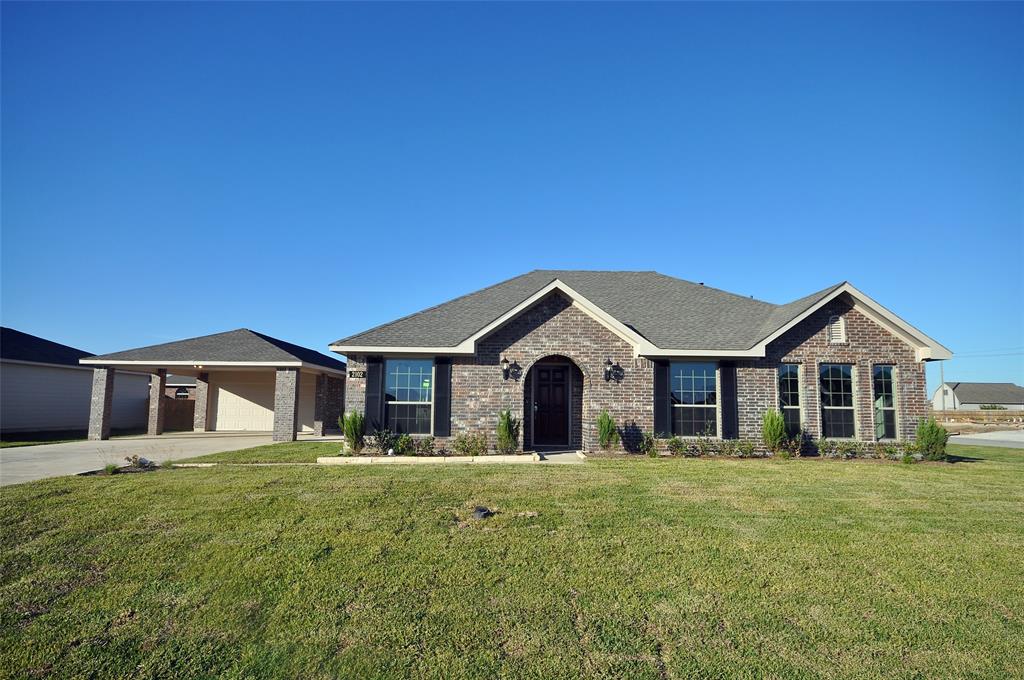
(181, 387)
(43, 388)
(971, 396)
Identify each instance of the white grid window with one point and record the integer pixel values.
(885, 402)
(837, 418)
(694, 399)
(789, 397)
(409, 395)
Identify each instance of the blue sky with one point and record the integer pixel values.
(310, 170)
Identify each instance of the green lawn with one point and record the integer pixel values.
(292, 452)
(617, 568)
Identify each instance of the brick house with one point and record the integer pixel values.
(661, 355)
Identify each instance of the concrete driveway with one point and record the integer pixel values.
(26, 463)
(1011, 439)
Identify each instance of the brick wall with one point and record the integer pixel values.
(866, 344)
(551, 328)
(554, 327)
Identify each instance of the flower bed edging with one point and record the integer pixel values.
(426, 460)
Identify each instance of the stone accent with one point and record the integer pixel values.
(100, 403)
(286, 404)
(320, 405)
(157, 387)
(202, 396)
(806, 344)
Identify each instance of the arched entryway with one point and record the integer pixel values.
(553, 405)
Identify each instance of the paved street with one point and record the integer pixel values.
(1013, 439)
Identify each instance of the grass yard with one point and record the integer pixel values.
(292, 452)
(617, 568)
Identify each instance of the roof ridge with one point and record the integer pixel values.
(718, 290)
(174, 342)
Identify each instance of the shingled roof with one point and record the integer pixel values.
(988, 393)
(18, 346)
(241, 346)
(668, 312)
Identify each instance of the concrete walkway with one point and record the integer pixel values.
(26, 463)
(1011, 439)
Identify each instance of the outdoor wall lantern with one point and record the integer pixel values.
(504, 368)
(608, 368)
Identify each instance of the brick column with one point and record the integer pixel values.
(286, 404)
(320, 405)
(202, 400)
(99, 405)
(157, 386)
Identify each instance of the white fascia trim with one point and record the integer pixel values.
(192, 364)
(926, 348)
(387, 349)
(323, 369)
(468, 346)
(651, 351)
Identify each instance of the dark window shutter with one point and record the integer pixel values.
(662, 402)
(730, 406)
(442, 397)
(374, 412)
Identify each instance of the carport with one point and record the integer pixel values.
(245, 381)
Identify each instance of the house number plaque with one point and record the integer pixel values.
(357, 374)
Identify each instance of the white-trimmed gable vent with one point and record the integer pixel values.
(836, 331)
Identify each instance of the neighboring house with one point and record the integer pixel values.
(661, 355)
(971, 396)
(43, 388)
(181, 387)
(240, 380)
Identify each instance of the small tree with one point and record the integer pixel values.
(931, 439)
(508, 432)
(773, 429)
(353, 427)
(607, 433)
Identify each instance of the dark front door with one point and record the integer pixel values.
(551, 406)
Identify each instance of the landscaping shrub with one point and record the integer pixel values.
(470, 444)
(508, 433)
(384, 440)
(110, 468)
(745, 448)
(773, 430)
(424, 446)
(167, 464)
(677, 447)
(728, 447)
(704, 446)
(353, 427)
(647, 445)
(404, 445)
(607, 433)
(931, 439)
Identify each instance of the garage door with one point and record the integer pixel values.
(244, 402)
